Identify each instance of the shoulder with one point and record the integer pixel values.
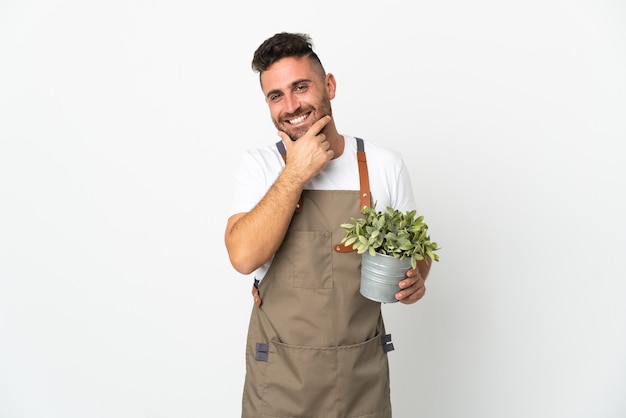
(390, 180)
(266, 156)
(262, 152)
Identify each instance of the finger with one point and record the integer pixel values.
(283, 136)
(411, 295)
(286, 140)
(410, 272)
(410, 281)
(411, 285)
(320, 124)
(412, 298)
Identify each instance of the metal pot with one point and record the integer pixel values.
(380, 275)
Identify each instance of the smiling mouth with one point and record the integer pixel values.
(298, 120)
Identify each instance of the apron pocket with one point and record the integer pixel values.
(345, 381)
(363, 379)
(309, 255)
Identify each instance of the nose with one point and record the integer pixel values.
(292, 103)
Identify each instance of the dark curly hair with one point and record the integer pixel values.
(283, 45)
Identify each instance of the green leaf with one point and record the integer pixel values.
(403, 235)
(350, 241)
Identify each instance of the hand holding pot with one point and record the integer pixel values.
(413, 287)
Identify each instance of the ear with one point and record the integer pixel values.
(331, 85)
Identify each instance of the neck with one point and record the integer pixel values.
(336, 141)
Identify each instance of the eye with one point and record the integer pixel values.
(275, 97)
(301, 88)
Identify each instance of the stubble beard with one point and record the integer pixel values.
(316, 114)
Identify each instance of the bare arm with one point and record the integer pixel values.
(253, 237)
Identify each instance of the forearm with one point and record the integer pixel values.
(252, 238)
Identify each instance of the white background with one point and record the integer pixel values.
(121, 123)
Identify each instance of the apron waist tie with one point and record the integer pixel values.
(262, 352)
(387, 344)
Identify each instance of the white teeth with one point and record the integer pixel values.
(298, 119)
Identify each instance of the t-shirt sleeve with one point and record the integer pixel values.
(251, 182)
(404, 198)
(390, 180)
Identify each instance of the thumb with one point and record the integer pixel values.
(283, 136)
(286, 139)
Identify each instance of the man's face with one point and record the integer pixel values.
(297, 94)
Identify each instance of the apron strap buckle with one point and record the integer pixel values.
(256, 294)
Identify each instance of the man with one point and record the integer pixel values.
(316, 347)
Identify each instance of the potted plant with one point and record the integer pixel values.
(390, 243)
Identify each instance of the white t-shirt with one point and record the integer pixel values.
(389, 179)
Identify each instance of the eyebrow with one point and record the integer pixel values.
(295, 83)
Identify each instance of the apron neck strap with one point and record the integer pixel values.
(364, 180)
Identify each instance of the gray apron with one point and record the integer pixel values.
(316, 347)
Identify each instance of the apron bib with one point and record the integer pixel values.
(316, 347)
